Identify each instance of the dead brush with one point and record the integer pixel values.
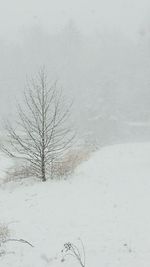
(67, 165)
(72, 250)
(4, 233)
(18, 172)
(5, 238)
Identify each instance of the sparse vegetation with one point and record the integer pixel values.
(4, 233)
(61, 169)
(18, 172)
(5, 238)
(67, 165)
(42, 134)
(72, 250)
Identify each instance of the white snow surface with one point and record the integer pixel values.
(106, 204)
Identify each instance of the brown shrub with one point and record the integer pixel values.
(67, 165)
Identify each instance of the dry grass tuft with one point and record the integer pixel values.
(4, 233)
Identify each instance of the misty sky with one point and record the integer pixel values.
(104, 71)
(92, 15)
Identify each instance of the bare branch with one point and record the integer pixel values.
(42, 134)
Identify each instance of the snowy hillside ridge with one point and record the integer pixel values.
(105, 204)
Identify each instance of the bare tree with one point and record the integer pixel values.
(42, 133)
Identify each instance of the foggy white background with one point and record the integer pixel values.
(89, 16)
(98, 50)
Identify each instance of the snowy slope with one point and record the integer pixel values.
(106, 204)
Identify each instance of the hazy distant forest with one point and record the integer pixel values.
(106, 74)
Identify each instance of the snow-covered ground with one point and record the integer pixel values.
(106, 204)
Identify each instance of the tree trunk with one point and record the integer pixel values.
(43, 170)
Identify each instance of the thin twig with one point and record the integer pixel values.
(18, 240)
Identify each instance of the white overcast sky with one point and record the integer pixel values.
(89, 15)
